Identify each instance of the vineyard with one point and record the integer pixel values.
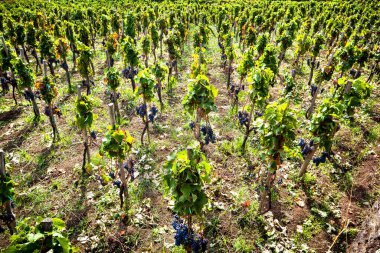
(189, 126)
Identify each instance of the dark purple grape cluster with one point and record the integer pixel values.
(305, 148)
(113, 97)
(111, 175)
(311, 63)
(28, 95)
(141, 110)
(234, 89)
(117, 183)
(313, 90)
(320, 159)
(129, 72)
(130, 169)
(153, 112)
(64, 66)
(355, 73)
(243, 117)
(4, 84)
(85, 84)
(208, 134)
(93, 134)
(259, 114)
(192, 125)
(186, 237)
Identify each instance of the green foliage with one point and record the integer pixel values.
(47, 89)
(278, 126)
(46, 46)
(84, 116)
(154, 35)
(112, 78)
(84, 60)
(117, 143)
(262, 42)
(347, 56)
(198, 68)
(33, 239)
(269, 59)
(25, 75)
(201, 95)
(6, 189)
(111, 43)
(319, 41)
(359, 91)
(325, 122)
(147, 82)
(184, 179)
(201, 35)
(31, 35)
(145, 42)
(6, 59)
(84, 35)
(20, 34)
(247, 62)
(131, 56)
(173, 49)
(259, 79)
(62, 48)
(160, 70)
(130, 28)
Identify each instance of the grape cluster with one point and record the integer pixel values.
(64, 66)
(141, 110)
(29, 95)
(311, 63)
(131, 170)
(192, 125)
(113, 97)
(208, 134)
(259, 114)
(85, 84)
(234, 89)
(111, 175)
(4, 84)
(93, 134)
(153, 113)
(129, 72)
(355, 73)
(243, 118)
(313, 90)
(305, 148)
(185, 236)
(117, 183)
(320, 159)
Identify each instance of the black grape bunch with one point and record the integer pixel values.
(208, 134)
(243, 117)
(141, 110)
(306, 148)
(129, 72)
(320, 159)
(130, 168)
(152, 113)
(188, 238)
(235, 89)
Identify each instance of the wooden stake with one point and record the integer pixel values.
(112, 113)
